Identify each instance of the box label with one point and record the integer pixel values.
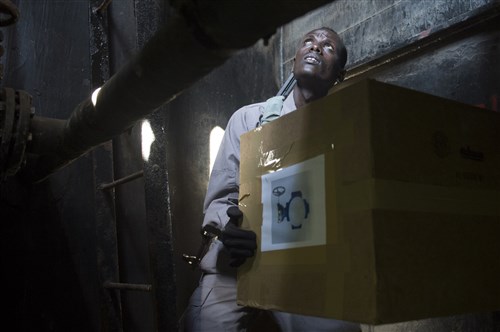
(293, 206)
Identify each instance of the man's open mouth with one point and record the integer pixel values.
(311, 60)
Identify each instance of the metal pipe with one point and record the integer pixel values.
(185, 50)
(46, 133)
(125, 286)
(122, 180)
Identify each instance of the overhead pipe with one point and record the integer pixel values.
(202, 37)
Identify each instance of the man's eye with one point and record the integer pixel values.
(307, 42)
(329, 47)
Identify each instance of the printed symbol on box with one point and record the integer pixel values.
(440, 144)
(278, 191)
(296, 210)
(468, 153)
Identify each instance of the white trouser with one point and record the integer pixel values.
(212, 307)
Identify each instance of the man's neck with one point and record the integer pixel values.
(303, 95)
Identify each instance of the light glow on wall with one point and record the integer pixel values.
(147, 139)
(95, 94)
(215, 139)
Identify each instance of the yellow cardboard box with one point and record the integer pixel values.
(376, 204)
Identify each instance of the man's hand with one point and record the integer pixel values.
(240, 243)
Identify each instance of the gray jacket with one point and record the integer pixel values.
(224, 181)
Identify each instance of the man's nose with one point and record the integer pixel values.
(315, 48)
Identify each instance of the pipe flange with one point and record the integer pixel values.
(15, 119)
(10, 13)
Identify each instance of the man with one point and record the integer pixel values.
(318, 65)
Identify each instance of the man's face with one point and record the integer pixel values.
(317, 57)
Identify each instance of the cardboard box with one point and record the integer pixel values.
(379, 204)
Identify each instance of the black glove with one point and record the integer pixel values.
(241, 243)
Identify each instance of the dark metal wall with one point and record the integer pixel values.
(57, 236)
(48, 230)
(188, 121)
(127, 30)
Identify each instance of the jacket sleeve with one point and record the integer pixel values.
(223, 186)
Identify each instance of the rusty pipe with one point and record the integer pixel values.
(211, 31)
